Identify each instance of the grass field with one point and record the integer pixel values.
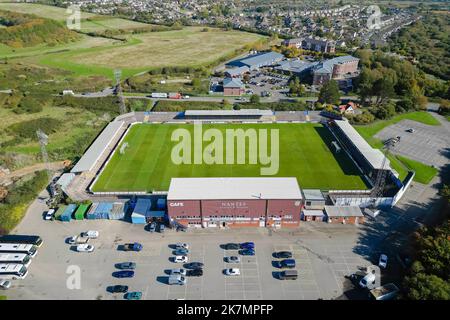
(49, 12)
(304, 153)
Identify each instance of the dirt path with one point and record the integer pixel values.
(30, 169)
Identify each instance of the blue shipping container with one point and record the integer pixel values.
(142, 206)
(67, 214)
(161, 204)
(138, 219)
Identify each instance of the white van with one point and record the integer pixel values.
(177, 279)
(368, 281)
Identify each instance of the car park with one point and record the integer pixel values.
(233, 259)
(181, 245)
(152, 227)
(49, 214)
(85, 248)
(124, 274)
(232, 272)
(194, 273)
(180, 259)
(5, 284)
(247, 245)
(126, 265)
(283, 254)
(232, 246)
(91, 234)
(382, 262)
(181, 252)
(132, 247)
(177, 271)
(247, 252)
(194, 265)
(119, 289)
(133, 295)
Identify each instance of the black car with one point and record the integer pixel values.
(126, 265)
(232, 246)
(124, 274)
(283, 254)
(119, 289)
(194, 273)
(194, 265)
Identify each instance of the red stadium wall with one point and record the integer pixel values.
(184, 208)
(246, 208)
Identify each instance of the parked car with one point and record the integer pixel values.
(152, 227)
(232, 272)
(181, 252)
(180, 259)
(133, 295)
(287, 263)
(232, 246)
(410, 130)
(194, 273)
(181, 245)
(85, 248)
(91, 234)
(368, 281)
(382, 262)
(77, 240)
(288, 275)
(124, 274)
(126, 265)
(177, 271)
(247, 252)
(162, 228)
(132, 246)
(119, 289)
(183, 229)
(49, 214)
(247, 245)
(177, 279)
(194, 265)
(233, 259)
(5, 284)
(283, 254)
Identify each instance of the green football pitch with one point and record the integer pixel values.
(305, 152)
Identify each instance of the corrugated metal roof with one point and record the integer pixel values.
(314, 213)
(65, 180)
(344, 211)
(374, 156)
(237, 71)
(242, 112)
(297, 66)
(142, 206)
(262, 59)
(232, 83)
(313, 194)
(96, 149)
(327, 65)
(233, 188)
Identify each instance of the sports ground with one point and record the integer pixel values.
(304, 152)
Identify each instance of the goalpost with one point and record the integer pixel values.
(123, 147)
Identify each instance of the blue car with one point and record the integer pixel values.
(181, 252)
(124, 274)
(248, 245)
(133, 295)
(247, 252)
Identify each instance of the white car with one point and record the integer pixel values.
(180, 259)
(382, 263)
(178, 271)
(91, 234)
(5, 284)
(233, 272)
(368, 281)
(85, 248)
(49, 214)
(181, 245)
(72, 240)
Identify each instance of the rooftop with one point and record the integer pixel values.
(261, 58)
(242, 112)
(97, 148)
(343, 211)
(374, 156)
(233, 189)
(326, 66)
(232, 83)
(313, 194)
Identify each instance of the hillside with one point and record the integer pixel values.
(25, 30)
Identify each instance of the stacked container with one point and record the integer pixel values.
(141, 210)
(117, 211)
(66, 216)
(100, 210)
(81, 211)
(161, 204)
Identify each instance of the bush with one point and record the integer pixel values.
(27, 129)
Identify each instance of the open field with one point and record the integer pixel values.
(41, 10)
(304, 153)
(169, 48)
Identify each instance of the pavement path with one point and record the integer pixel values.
(58, 165)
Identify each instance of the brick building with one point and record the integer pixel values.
(233, 87)
(234, 202)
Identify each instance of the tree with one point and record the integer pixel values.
(427, 287)
(329, 93)
(254, 98)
